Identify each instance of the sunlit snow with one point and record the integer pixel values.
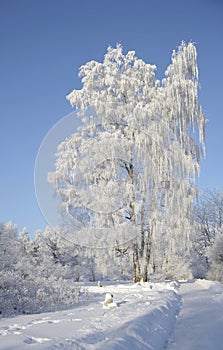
(168, 315)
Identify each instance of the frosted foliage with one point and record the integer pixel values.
(135, 159)
(181, 86)
(215, 255)
(32, 278)
(209, 230)
(8, 247)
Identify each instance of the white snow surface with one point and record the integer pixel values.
(200, 322)
(155, 316)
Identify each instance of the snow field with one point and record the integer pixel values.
(144, 319)
(149, 316)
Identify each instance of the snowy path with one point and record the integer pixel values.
(200, 322)
(145, 319)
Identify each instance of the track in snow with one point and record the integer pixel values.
(199, 324)
(149, 316)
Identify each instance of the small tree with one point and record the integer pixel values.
(209, 230)
(215, 256)
(128, 174)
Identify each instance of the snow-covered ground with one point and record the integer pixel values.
(168, 315)
(200, 322)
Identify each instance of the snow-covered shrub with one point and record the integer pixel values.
(176, 269)
(199, 263)
(206, 240)
(32, 279)
(57, 254)
(199, 266)
(35, 294)
(215, 256)
(113, 263)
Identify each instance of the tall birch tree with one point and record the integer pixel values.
(127, 177)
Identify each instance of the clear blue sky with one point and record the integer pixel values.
(43, 43)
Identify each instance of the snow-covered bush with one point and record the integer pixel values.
(57, 254)
(199, 265)
(31, 280)
(174, 268)
(208, 233)
(35, 294)
(215, 256)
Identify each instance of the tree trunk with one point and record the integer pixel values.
(141, 261)
(142, 251)
(136, 264)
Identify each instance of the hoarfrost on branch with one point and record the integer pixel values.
(127, 177)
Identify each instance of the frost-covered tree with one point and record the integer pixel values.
(209, 230)
(8, 245)
(215, 256)
(127, 177)
(209, 216)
